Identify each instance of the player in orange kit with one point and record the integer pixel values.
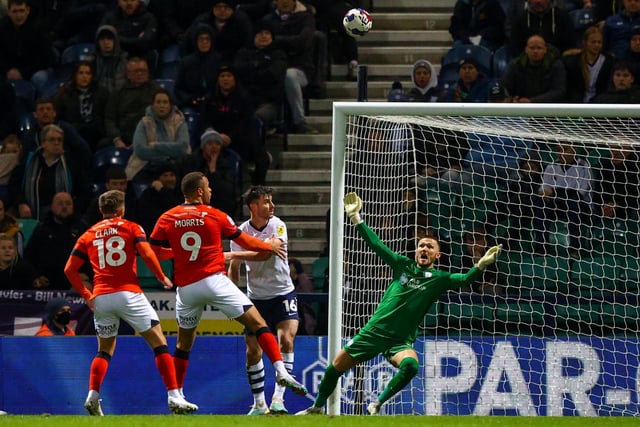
(192, 234)
(110, 246)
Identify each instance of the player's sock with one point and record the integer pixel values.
(408, 370)
(327, 385)
(180, 362)
(269, 345)
(165, 366)
(99, 367)
(287, 359)
(255, 373)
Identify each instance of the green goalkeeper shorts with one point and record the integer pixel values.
(367, 344)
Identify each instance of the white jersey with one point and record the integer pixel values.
(270, 278)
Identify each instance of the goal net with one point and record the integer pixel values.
(552, 328)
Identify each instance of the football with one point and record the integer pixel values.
(357, 22)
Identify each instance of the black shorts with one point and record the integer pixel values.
(275, 310)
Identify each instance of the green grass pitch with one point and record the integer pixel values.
(307, 421)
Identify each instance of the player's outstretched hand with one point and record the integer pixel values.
(489, 257)
(279, 248)
(352, 206)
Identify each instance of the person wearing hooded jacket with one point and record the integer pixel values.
(110, 59)
(196, 76)
(425, 82)
(57, 319)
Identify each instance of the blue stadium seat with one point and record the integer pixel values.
(193, 123)
(236, 165)
(26, 122)
(25, 96)
(147, 278)
(481, 55)
(582, 19)
(449, 75)
(52, 87)
(26, 228)
(500, 61)
(106, 158)
(169, 62)
(77, 52)
(168, 84)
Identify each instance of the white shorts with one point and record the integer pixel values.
(132, 307)
(217, 290)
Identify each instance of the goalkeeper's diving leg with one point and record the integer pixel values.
(407, 363)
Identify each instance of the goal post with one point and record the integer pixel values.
(555, 305)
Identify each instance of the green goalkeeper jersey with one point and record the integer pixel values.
(411, 292)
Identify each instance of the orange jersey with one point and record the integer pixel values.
(110, 247)
(194, 233)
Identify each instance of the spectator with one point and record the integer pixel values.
(127, 105)
(115, 179)
(303, 284)
(476, 243)
(618, 28)
(229, 111)
(293, 30)
(197, 72)
(110, 59)
(9, 157)
(75, 21)
(343, 47)
(473, 86)
(77, 149)
(81, 102)
(9, 226)
(443, 155)
(175, 17)
(536, 75)
(231, 29)
(214, 162)
(60, 230)
(589, 71)
(546, 19)
(162, 195)
(518, 201)
(161, 136)
(15, 272)
(25, 50)
(478, 22)
(8, 115)
(137, 27)
(56, 321)
(425, 82)
(44, 173)
(632, 55)
(565, 193)
(624, 90)
(261, 70)
(616, 191)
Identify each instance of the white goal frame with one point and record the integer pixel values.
(339, 141)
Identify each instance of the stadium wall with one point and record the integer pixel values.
(480, 376)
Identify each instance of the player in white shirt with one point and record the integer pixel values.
(270, 288)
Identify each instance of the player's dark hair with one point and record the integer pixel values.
(255, 192)
(110, 202)
(191, 182)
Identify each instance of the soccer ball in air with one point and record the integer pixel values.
(357, 22)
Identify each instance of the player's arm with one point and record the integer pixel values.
(352, 206)
(234, 270)
(247, 256)
(149, 257)
(275, 246)
(72, 271)
(489, 258)
(160, 251)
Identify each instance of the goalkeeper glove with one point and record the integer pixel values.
(352, 206)
(489, 257)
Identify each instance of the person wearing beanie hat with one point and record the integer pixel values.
(261, 69)
(57, 319)
(232, 29)
(497, 93)
(161, 195)
(472, 86)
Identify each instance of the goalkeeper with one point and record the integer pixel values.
(392, 329)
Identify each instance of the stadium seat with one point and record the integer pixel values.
(167, 84)
(51, 87)
(522, 317)
(542, 274)
(169, 62)
(583, 318)
(26, 122)
(25, 93)
(500, 61)
(318, 271)
(236, 165)
(592, 277)
(470, 319)
(628, 274)
(481, 55)
(108, 157)
(431, 319)
(193, 123)
(27, 226)
(147, 278)
(448, 76)
(582, 19)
